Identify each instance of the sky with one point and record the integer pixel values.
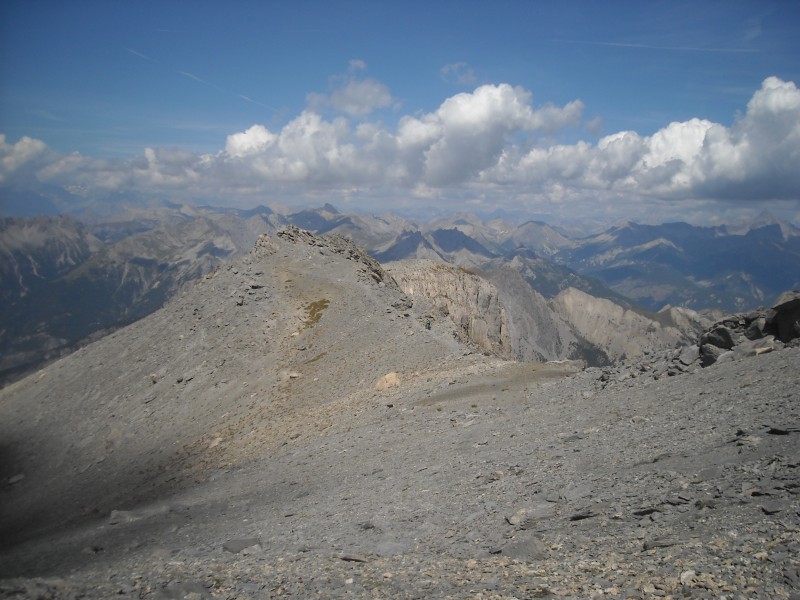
(563, 110)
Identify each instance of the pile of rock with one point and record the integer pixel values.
(750, 334)
(734, 337)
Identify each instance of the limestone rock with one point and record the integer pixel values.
(720, 336)
(689, 354)
(468, 300)
(390, 380)
(620, 331)
(787, 316)
(709, 354)
(526, 546)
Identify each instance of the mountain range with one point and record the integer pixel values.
(66, 280)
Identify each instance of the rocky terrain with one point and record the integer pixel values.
(289, 427)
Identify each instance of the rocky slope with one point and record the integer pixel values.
(62, 284)
(622, 332)
(288, 427)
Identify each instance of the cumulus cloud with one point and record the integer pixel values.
(254, 140)
(491, 142)
(12, 156)
(755, 158)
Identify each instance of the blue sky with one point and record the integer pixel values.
(539, 107)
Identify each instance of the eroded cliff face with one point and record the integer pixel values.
(622, 332)
(536, 332)
(462, 296)
(502, 315)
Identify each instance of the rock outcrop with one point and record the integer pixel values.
(462, 296)
(731, 338)
(756, 332)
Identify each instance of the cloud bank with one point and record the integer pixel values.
(491, 145)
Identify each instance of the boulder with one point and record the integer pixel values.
(689, 354)
(756, 329)
(720, 336)
(787, 316)
(709, 353)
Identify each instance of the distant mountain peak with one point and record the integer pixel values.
(767, 219)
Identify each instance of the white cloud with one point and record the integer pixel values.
(357, 64)
(254, 140)
(756, 158)
(483, 146)
(360, 98)
(14, 157)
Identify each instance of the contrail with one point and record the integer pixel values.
(204, 82)
(653, 47)
(139, 54)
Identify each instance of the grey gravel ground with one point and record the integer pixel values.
(219, 450)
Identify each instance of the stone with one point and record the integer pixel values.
(517, 517)
(771, 508)
(390, 380)
(576, 491)
(537, 513)
(728, 356)
(687, 577)
(659, 543)
(689, 354)
(720, 336)
(709, 354)
(787, 316)
(526, 546)
(585, 513)
(183, 591)
(353, 558)
(756, 328)
(755, 347)
(122, 516)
